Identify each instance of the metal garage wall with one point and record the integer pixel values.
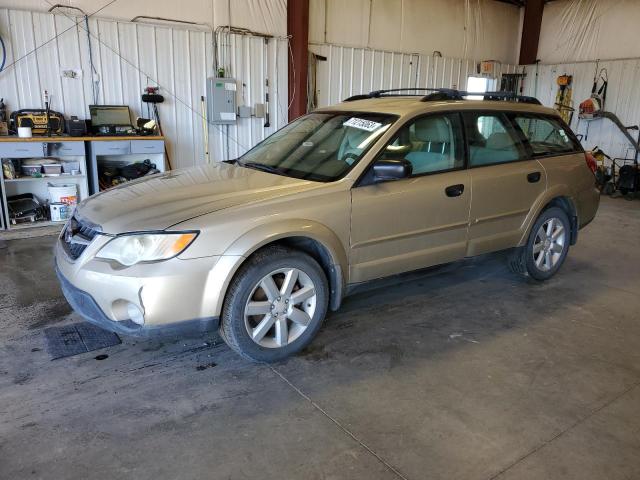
(129, 56)
(584, 30)
(350, 71)
(483, 29)
(623, 99)
(252, 61)
(268, 16)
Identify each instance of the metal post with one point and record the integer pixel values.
(298, 32)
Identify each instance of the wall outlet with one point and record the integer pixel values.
(71, 73)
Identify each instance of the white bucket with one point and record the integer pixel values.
(60, 212)
(67, 194)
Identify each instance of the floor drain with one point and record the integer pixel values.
(77, 338)
(104, 356)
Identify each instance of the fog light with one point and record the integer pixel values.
(135, 314)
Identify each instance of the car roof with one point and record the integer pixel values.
(410, 105)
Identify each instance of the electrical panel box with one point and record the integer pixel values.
(221, 100)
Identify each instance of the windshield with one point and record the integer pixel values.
(319, 146)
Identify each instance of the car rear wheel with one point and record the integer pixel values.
(275, 305)
(547, 246)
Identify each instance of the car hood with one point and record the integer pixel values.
(160, 201)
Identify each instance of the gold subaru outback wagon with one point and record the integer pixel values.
(380, 184)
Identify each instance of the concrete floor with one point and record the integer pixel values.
(468, 372)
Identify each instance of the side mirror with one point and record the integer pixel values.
(384, 170)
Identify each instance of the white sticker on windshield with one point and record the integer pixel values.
(362, 124)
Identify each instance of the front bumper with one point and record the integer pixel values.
(84, 304)
(174, 296)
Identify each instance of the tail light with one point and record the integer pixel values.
(591, 162)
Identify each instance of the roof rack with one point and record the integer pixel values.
(391, 93)
(441, 94)
(505, 96)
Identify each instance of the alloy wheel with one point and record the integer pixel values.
(280, 307)
(549, 244)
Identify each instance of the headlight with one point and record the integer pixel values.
(146, 247)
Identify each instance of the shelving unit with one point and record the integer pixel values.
(65, 149)
(89, 152)
(120, 151)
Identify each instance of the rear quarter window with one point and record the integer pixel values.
(546, 136)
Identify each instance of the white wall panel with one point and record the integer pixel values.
(74, 91)
(251, 61)
(265, 16)
(128, 57)
(23, 29)
(623, 99)
(583, 30)
(483, 29)
(351, 71)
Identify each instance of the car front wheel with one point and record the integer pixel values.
(275, 305)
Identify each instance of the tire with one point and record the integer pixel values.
(252, 299)
(550, 253)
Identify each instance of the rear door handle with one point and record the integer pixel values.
(454, 190)
(533, 177)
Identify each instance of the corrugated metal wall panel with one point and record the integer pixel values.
(623, 99)
(128, 57)
(351, 71)
(252, 61)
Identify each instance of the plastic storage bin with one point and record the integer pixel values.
(69, 167)
(31, 170)
(52, 169)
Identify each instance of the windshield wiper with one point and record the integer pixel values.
(262, 167)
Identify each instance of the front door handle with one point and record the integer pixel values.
(533, 177)
(454, 190)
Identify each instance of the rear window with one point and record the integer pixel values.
(492, 139)
(546, 136)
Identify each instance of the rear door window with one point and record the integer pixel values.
(547, 136)
(491, 139)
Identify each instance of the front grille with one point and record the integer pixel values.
(77, 235)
